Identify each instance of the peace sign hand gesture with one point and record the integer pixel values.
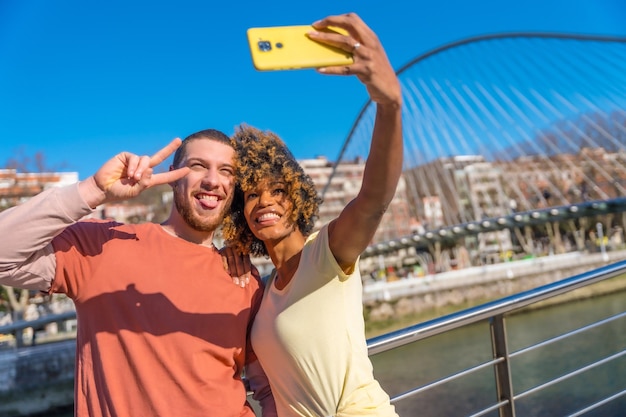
(126, 175)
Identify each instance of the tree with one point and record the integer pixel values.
(36, 163)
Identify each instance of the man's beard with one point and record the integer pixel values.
(202, 224)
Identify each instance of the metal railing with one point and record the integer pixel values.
(19, 326)
(495, 313)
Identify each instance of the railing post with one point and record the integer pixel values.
(18, 334)
(504, 384)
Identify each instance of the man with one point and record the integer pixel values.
(162, 330)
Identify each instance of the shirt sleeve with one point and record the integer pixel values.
(27, 258)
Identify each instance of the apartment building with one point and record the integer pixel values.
(344, 186)
(17, 187)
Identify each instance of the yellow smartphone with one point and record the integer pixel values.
(289, 47)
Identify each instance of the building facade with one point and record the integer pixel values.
(344, 186)
(17, 187)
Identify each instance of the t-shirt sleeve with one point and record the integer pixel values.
(26, 255)
(317, 249)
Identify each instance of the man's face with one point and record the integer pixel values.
(205, 194)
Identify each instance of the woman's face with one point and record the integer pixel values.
(267, 209)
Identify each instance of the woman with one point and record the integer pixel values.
(309, 332)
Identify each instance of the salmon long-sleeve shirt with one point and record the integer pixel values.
(162, 330)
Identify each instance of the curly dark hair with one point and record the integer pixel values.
(261, 155)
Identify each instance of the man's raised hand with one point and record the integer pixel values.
(126, 175)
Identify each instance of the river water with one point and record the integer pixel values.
(432, 359)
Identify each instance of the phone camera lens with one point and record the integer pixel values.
(265, 46)
(279, 45)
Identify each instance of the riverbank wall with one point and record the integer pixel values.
(37, 379)
(393, 302)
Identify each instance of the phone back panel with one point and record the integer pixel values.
(288, 47)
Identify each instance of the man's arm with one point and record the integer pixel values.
(260, 387)
(26, 256)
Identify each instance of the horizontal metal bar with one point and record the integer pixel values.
(444, 380)
(598, 404)
(505, 305)
(39, 322)
(571, 374)
(489, 409)
(568, 334)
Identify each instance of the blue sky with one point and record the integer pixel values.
(81, 81)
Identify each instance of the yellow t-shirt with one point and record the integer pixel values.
(310, 340)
